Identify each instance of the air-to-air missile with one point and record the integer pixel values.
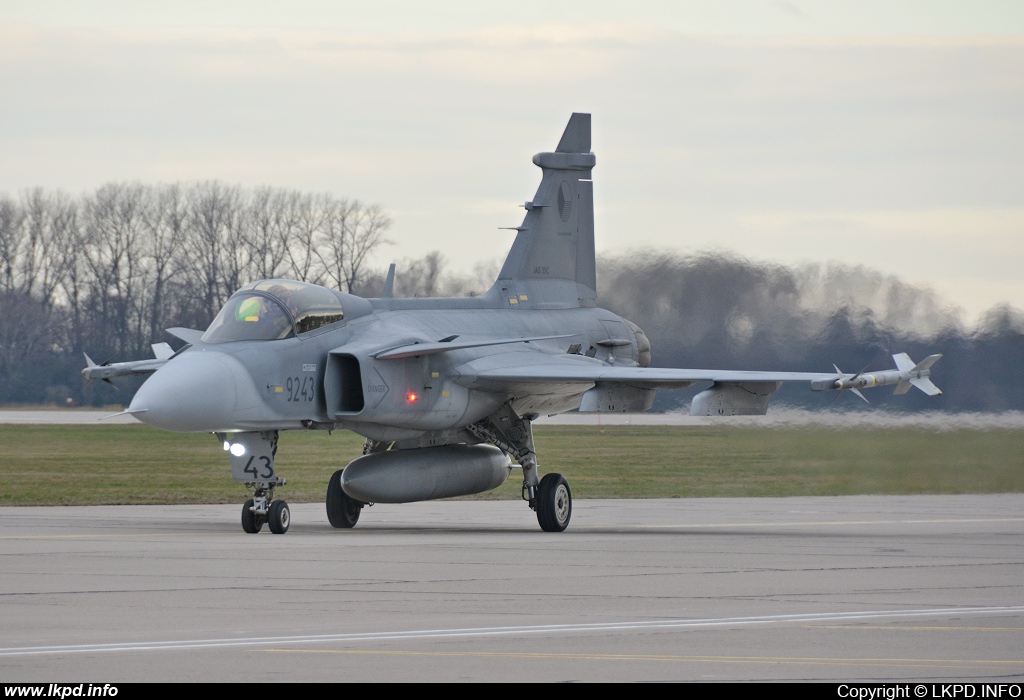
(106, 370)
(906, 375)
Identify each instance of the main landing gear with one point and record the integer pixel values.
(342, 510)
(553, 503)
(549, 497)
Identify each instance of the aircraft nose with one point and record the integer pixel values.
(193, 392)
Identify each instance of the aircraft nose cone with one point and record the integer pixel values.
(193, 392)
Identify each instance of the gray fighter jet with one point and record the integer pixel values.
(445, 391)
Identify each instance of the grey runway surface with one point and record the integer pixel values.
(854, 588)
(779, 417)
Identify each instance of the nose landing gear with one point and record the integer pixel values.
(262, 509)
(252, 463)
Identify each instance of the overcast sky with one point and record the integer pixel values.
(888, 134)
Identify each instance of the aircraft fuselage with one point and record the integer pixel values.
(332, 378)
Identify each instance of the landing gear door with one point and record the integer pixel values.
(252, 456)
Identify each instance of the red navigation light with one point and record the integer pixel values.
(412, 397)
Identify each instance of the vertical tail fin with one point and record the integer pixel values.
(552, 261)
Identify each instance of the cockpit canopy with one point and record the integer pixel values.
(274, 309)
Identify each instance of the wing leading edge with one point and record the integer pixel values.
(569, 372)
(733, 392)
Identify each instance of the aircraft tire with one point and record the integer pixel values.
(554, 503)
(250, 523)
(279, 517)
(342, 510)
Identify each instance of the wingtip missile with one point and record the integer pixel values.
(906, 375)
(94, 371)
(106, 370)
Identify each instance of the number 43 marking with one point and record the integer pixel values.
(254, 469)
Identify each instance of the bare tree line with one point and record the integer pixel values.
(108, 271)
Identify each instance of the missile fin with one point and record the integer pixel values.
(902, 388)
(903, 361)
(926, 363)
(162, 351)
(925, 385)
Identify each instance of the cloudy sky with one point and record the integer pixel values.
(885, 134)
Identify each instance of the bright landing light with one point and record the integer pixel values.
(238, 449)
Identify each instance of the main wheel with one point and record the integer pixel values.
(554, 503)
(250, 523)
(279, 517)
(342, 509)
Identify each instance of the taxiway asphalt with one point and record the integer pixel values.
(855, 588)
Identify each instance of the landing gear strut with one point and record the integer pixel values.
(550, 497)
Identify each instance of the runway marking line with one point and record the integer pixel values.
(817, 661)
(524, 630)
(935, 521)
(901, 628)
(625, 527)
(107, 535)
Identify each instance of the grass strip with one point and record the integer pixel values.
(122, 464)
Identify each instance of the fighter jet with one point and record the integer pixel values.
(444, 390)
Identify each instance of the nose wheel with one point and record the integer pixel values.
(260, 510)
(279, 517)
(251, 522)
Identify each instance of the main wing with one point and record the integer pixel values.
(612, 388)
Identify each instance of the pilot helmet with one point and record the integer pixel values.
(249, 310)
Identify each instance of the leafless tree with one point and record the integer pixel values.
(312, 212)
(114, 258)
(350, 235)
(211, 208)
(163, 238)
(48, 223)
(268, 234)
(12, 218)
